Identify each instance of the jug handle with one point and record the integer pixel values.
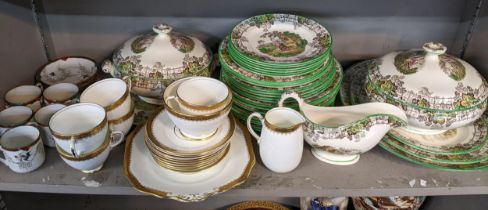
(249, 126)
(287, 95)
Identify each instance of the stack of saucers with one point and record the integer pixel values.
(193, 131)
(267, 55)
(448, 139)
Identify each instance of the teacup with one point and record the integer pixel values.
(92, 162)
(281, 140)
(22, 148)
(123, 123)
(14, 116)
(25, 95)
(81, 128)
(61, 93)
(202, 95)
(41, 120)
(112, 94)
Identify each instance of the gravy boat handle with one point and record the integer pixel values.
(287, 95)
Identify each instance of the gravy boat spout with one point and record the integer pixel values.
(338, 135)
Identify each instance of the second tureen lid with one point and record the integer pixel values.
(429, 78)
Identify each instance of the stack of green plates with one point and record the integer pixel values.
(460, 149)
(269, 54)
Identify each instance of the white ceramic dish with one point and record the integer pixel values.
(146, 176)
(62, 93)
(77, 70)
(112, 94)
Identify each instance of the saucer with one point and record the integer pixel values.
(161, 132)
(148, 177)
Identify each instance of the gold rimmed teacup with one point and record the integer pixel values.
(112, 94)
(123, 123)
(25, 95)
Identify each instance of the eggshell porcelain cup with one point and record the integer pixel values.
(23, 149)
(14, 116)
(25, 95)
(112, 94)
(61, 93)
(41, 120)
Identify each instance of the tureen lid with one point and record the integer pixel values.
(164, 51)
(429, 78)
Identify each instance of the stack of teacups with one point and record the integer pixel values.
(113, 95)
(82, 136)
(197, 115)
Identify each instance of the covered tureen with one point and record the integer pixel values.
(438, 91)
(150, 62)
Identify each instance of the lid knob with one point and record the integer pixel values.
(435, 48)
(162, 28)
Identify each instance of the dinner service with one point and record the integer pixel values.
(339, 134)
(281, 139)
(41, 121)
(25, 95)
(388, 203)
(148, 177)
(153, 61)
(78, 70)
(81, 128)
(61, 93)
(112, 94)
(22, 149)
(457, 97)
(14, 116)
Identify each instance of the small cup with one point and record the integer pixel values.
(41, 120)
(112, 94)
(80, 128)
(61, 93)
(14, 116)
(22, 148)
(202, 95)
(92, 162)
(25, 95)
(281, 140)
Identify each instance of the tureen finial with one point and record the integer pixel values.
(162, 28)
(435, 47)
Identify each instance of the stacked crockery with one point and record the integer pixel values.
(444, 99)
(267, 55)
(192, 133)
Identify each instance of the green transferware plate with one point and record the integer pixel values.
(479, 166)
(353, 78)
(280, 38)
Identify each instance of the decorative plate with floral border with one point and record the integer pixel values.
(147, 177)
(280, 38)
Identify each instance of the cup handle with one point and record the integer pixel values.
(175, 98)
(38, 84)
(249, 126)
(116, 137)
(72, 146)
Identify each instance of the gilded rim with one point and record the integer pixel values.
(163, 153)
(188, 138)
(161, 194)
(152, 138)
(38, 138)
(202, 117)
(38, 98)
(49, 101)
(193, 168)
(257, 205)
(119, 101)
(21, 123)
(123, 118)
(87, 156)
(207, 108)
(81, 135)
(280, 129)
(180, 159)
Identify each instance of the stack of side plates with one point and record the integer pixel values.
(170, 149)
(267, 55)
(460, 149)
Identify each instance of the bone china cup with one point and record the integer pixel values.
(14, 116)
(281, 140)
(112, 94)
(80, 128)
(25, 95)
(22, 148)
(202, 95)
(123, 123)
(61, 93)
(41, 120)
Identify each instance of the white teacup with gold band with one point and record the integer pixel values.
(61, 93)
(123, 123)
(281, 140)
(81, 129)
(25, 95)
(201, 95)
(112, 94)
(14, 116)
(22, 148)
(190, 125)
(41, 120)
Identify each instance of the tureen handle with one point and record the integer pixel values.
(434, 48)
(162, 29)
(108, 67)
(287, 95)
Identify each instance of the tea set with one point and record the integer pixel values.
(279, 77)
